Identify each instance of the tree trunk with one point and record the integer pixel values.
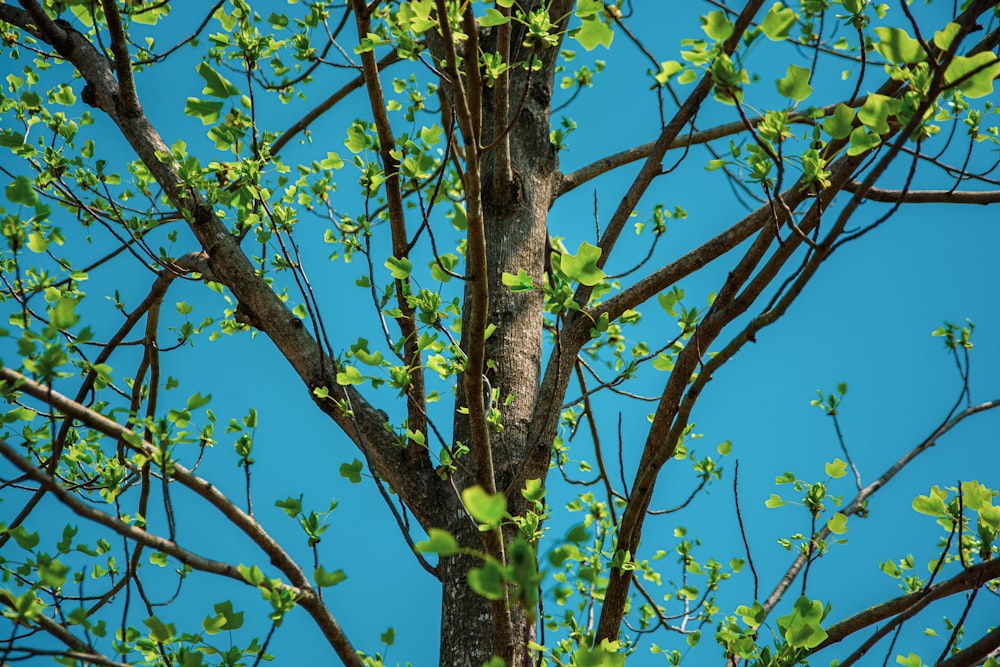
(515, 211)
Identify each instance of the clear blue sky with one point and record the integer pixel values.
(865, 320)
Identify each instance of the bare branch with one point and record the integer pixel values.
(970, 578)
(975, 653)
(128, 100)
(927, 196)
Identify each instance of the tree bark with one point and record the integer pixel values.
(515, 209)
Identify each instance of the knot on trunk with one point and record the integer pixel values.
(503, 196)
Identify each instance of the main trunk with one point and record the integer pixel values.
(515, 212)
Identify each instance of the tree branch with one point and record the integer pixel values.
(926, 196)
(416, 401)
(327, 104)
(126, 530)
(975, 653)
(588, 172)
(859, 501)
(79, 650)
(969, 578)
(305, 594)
(128, 100)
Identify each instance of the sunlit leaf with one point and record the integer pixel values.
(898, 47)
(216, 85)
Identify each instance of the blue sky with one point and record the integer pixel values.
(865, 319)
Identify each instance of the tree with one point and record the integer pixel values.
(494, 333)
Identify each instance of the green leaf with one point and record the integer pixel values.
(717, 25)
(605, 655)
(400, 267)
(533, 490)
(331, 161)
(795, 85)
(351, 471)
(252, 575)
(493, 17)
(151, 15)
(484, 508)
(350, 375)
(216, 85)
(17, 414)
(291, 506)
(213, 624)
(11, 139)
(37, 242)
(976, 85)
(862, 142)
(801, 628)
(976, 496)
(21, 192)
(774, 501)
(234, 619)
(663, 362)
(687, 76)
(51, 572)
(874, 114)
(488, 580)
(933, 504)
(522, 282)
(64, 95)
(898, 47)
(582, 266)
(836, 468)
(158, 630)
(438, 267)
(360, 351)
(778, 23)
(206, 110)
(990, 517)
(944, 37)
(326, 579)
(585, 8)
(753, 616)
(357, 138)
(64, 313)
(667, 70)
(578, 534)
(837, 523)
(439, 542)
(198, 401)
(593, 32)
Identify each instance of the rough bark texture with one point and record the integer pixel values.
(515, 213)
